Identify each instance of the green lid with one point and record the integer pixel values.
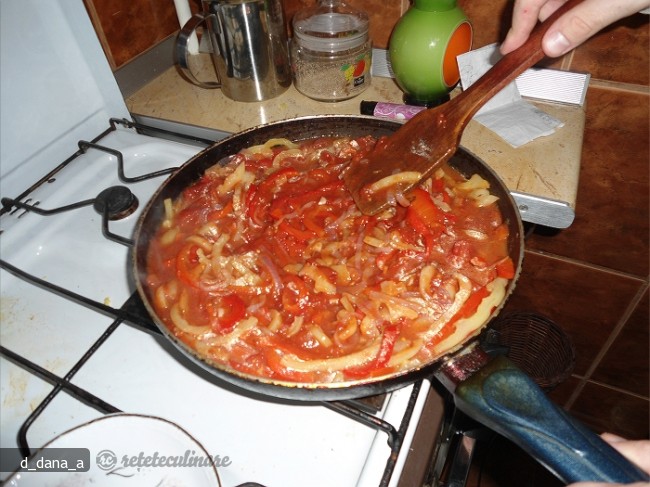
(435, 5)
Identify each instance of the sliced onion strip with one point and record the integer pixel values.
(355, 359)
(322, 338)
(402, 178)
(464, 291)
(183, 325)
(295, 327)
(399, 358)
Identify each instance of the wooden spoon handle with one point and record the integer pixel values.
(509, 66)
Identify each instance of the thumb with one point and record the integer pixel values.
(585, 20)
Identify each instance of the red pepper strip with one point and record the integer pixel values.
(424, 230)
(429, 243)
(388, 339)
(277, 179)
(265, 191)
(313, 227)
(426, 209)
(468, 309)
(188, 268)
(424, 216)
(318, 174)
(391, 332)
(438, 185)
(277, 212)
(287, 248)
(506, 268)
(273, 356)
(470, 306)
(230, 309)
(295, 295)
(299, 234)
(287, 204)
(416, 222)
(314, 218)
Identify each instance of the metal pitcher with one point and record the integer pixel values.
(248, 40)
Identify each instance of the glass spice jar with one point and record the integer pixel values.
(331, 51)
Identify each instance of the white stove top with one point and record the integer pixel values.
(273, 442)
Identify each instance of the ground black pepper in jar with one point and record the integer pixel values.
(331, 51)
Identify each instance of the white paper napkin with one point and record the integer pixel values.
(507, 114)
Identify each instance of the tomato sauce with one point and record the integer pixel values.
(266, 266)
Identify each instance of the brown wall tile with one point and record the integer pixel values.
(608, 410)
(626, 363)
(292, 6)
(130, 27)
(490, 20)
(586, 303)
(618, 53)
(564, 391)
(612, 210)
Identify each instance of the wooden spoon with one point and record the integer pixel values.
(431, 138)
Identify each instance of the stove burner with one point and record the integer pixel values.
(119, 201)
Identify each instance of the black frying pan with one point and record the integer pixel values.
(494, 392)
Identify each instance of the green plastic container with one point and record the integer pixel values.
(423, 49)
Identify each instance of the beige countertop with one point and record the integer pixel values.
(542, 175)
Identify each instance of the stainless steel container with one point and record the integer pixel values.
(248, 40)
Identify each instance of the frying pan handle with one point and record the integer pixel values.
(506, 400)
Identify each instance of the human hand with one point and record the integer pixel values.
(571, 29)
(638, 452)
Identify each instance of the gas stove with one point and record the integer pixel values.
(77, 343)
